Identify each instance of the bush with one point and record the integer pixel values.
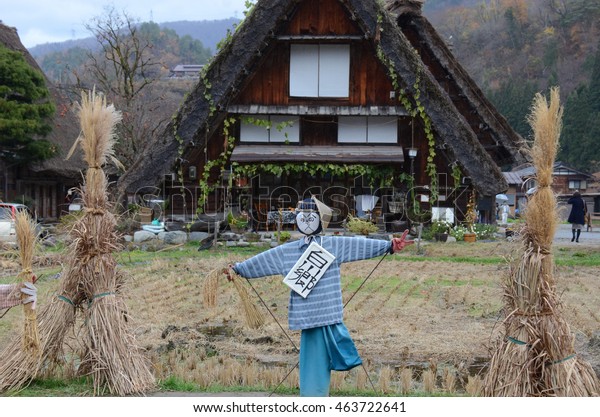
(458, 232)
(485, 231)
(284, 236)
(362, 227)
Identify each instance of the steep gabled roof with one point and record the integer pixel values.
(65, 125)
(195, 121)
(559, 168)
(509, 146)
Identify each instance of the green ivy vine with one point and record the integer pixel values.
(415, 110)
(376, 174)
(205, 186)
(456, 175)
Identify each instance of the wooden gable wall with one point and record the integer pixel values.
(269, 82)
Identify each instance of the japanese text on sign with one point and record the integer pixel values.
(309, 269)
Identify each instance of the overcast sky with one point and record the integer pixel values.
(44, 21)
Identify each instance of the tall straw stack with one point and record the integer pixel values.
(90, 284)
(536, 356)
(110, 352)
(22, 358)
(27, 238)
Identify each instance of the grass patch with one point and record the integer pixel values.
(574, 257)
(174, 383)
(51, 387)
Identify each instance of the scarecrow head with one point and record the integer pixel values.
(312, 216)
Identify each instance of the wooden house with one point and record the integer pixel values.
(43, 186)
(565, 181)
(357, 101)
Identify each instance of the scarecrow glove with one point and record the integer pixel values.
(400, 243)
(31, 292)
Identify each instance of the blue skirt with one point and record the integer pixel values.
(323, 349)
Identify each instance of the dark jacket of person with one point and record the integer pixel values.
(577, 215)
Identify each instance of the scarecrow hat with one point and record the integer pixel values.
(324, 211)
(313, 204)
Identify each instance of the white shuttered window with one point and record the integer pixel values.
(363, 129)
(320, 71)
(275, 129)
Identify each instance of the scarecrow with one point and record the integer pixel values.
(311, 267)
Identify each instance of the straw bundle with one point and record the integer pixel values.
(536, 355)
(18, 367)
(252, 315)
(25, 229)
(21, 359)
(90, 284)
(110, 353)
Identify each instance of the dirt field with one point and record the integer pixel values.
(441, 309)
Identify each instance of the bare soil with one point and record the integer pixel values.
(414, 310)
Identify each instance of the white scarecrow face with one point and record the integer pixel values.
(308, 222)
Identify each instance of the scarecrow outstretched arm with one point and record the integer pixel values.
(350, 249)
(262, 265)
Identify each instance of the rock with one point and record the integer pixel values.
(143, 236)
(128, 238)
(230, 236)
(206, 223)
(175, 238)
(198, 236)
(451, 239)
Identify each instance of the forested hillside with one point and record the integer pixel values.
(512, 48)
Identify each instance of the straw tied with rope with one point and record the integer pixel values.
(536, 356)
(311, 267)
(90, 285)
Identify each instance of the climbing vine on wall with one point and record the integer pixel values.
(206, 187)
(377, 175)
(415, 109)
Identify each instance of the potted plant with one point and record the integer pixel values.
(237, 224)
(396, 203)
(440, 230)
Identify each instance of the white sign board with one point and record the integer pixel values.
(309, 269)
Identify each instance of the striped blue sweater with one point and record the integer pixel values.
(324, 305)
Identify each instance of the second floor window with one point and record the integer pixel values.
(372, 129)
(320, 71)
(577, 184)
(270, 129)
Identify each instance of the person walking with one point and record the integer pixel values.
(577, 215)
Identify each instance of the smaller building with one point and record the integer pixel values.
(566, 180)
(186, 71)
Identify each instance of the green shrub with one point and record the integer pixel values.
(359, 226)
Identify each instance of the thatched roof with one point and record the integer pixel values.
(227, 72)
(65, 126)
